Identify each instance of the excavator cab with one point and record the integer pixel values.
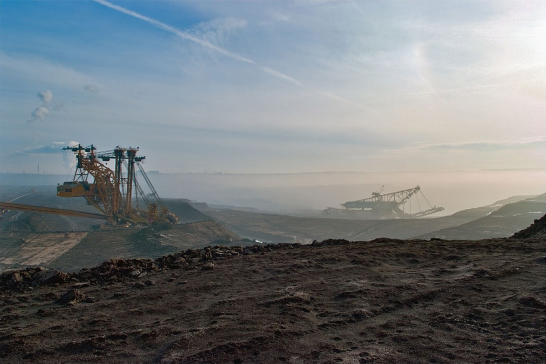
(72, 189)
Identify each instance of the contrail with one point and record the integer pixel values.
(175, 31)
(431, 89)
(280, 75)
(202, 42)
(225, 52)
(354, 104)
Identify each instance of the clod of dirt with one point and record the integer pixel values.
(532, 302)
(49, 276)
(70, 298)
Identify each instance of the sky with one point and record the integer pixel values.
(275, 86)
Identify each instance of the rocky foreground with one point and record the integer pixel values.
(383, 301)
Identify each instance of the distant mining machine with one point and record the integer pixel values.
(389, 205)
(115, 193)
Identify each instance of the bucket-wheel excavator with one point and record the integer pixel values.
(392, 205)
(116, 193)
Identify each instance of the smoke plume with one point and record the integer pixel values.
(40, 113)
(91, 88)
(46, 97)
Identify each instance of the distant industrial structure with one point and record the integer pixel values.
(117, 194)
(382, 206)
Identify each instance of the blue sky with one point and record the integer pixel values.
(278, 86)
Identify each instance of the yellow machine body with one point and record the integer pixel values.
(71, 189)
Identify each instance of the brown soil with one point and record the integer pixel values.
(384, 301)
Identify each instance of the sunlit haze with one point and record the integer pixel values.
(259, 87)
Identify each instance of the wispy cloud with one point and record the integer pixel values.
(202, 42)
(209, 36)
(91, 88)
(467, 89)
(175, 31)
(217, 30)
(484, 145)
(41, 69)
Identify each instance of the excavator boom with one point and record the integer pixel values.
(49, 210)
(392, 204)
(392, 199)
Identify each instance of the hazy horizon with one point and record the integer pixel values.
(297, 192)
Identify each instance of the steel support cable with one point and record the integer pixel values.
(141, 192)
(154, 192)
(70, 171)
(426, 199)
(418, 202)
(391, 196)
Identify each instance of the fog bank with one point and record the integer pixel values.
(289, 193)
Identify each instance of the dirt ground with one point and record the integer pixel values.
(384, 301)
